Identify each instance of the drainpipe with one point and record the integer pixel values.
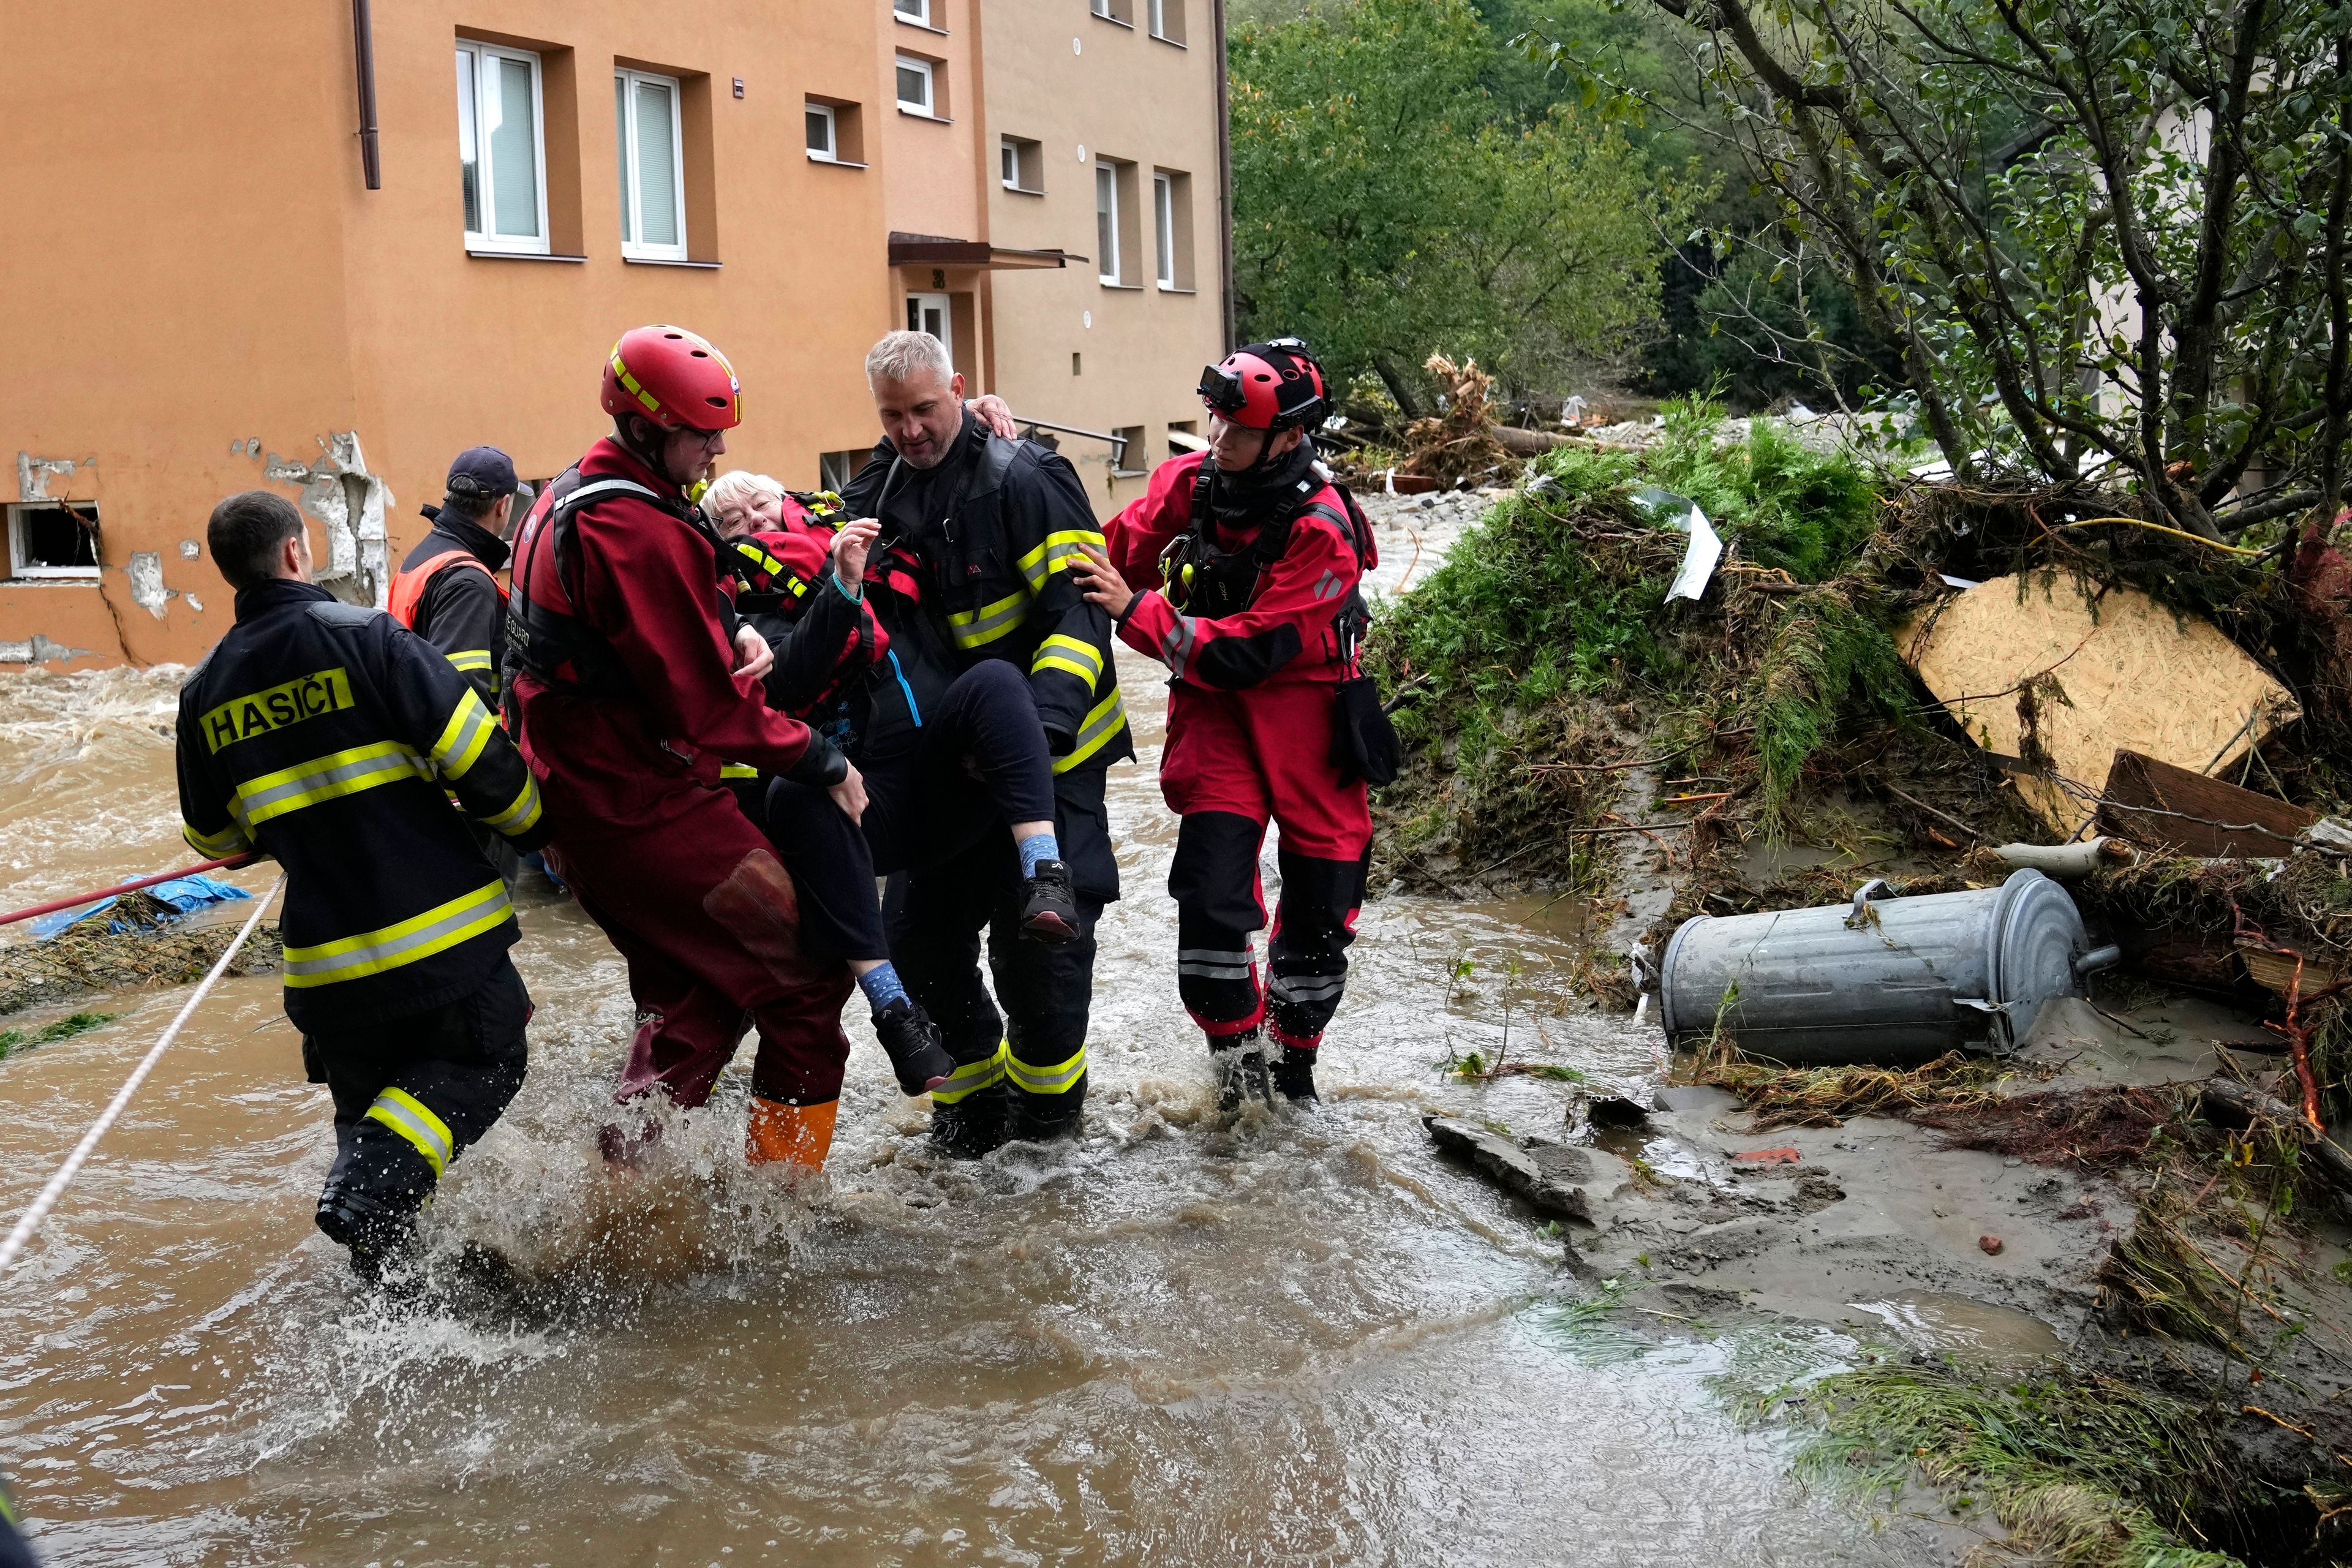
(363, 54)
(1224, 174)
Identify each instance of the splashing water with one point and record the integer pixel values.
(1180, 1339)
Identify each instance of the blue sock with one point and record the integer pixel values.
(882, 986)
(1035, 847)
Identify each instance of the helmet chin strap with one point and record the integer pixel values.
(624, 430)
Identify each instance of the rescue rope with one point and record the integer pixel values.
(17, 1238)
(54, 905)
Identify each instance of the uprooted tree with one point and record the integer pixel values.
(2107, 235)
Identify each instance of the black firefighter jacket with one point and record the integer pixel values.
(332, 738)
(974, 558)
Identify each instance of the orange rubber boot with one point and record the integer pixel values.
(794, 1134)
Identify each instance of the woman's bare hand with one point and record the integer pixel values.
(851, 547)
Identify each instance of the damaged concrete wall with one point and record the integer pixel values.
(349, 504)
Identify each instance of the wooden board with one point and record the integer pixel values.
(2194, 814)
(2119, 672)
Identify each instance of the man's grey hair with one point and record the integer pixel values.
(903, 356)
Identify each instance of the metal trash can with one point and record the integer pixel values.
(1884, 980)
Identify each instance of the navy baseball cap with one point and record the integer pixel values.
(482, 472)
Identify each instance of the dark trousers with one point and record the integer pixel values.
(411, 1094)
(1023, 1073)
(979, 763)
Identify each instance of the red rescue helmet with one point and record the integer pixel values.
(1273, 385)
(674, 378)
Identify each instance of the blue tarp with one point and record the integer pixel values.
(184, 894)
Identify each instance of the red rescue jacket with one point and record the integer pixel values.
(1288, 632)
(628, 759)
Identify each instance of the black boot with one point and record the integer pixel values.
(1241, 1072)
(380, 1236)
(1049, 913)
(1294, 1076)
(915, 1048)
(972, 1126)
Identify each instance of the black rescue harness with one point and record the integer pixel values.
(563, 651)
(1202, 578)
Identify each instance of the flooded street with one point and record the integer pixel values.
(1300, 1339)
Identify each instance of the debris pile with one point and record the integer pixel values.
(148, 945)
(1460, 447)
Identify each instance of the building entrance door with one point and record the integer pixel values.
(930, 313)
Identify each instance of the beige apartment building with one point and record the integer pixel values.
(323, 250)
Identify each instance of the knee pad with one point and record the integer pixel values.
(1215, 873)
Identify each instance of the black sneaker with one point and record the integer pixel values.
(1241, 1074)
(913, 1042)
(1294, 1076)
(1050, 912)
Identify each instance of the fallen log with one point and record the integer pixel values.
(2246, 1103)
(1530, 443)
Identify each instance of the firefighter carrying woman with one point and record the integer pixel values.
(948, 650)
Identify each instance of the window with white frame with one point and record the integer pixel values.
(916, 11)
(1022, 164)
(54, 542)
(645, 125)
(501, 153)
(1107, 220)
(916, 86)
(1167, 20)
(1163, 226)
(824, 133)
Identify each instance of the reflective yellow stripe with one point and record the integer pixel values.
(973, 1077)
(413, 1119)
(620, 373)
(1054, 555)
(1071, 654)
(1103, 723)
(1059, 1079)
(230, 841)
(327, 778)
(973, 628)
(463, 738)
(523, 815)
(738, 771)
(471, 660)
(437, 930)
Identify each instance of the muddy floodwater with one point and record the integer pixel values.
(1299, 1339)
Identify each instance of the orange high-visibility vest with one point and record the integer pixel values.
(408, 587)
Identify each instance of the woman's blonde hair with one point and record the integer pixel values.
(736, 487)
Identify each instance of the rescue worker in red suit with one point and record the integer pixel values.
(626, 692)
(1254, 560)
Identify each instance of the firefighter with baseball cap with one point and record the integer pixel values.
(448, 590)
(629, 682)
(1251, 559)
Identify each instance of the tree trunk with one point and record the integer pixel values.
(1408, 403)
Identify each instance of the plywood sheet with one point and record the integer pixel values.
(2120, 673)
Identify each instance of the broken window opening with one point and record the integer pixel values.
(53, 542)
